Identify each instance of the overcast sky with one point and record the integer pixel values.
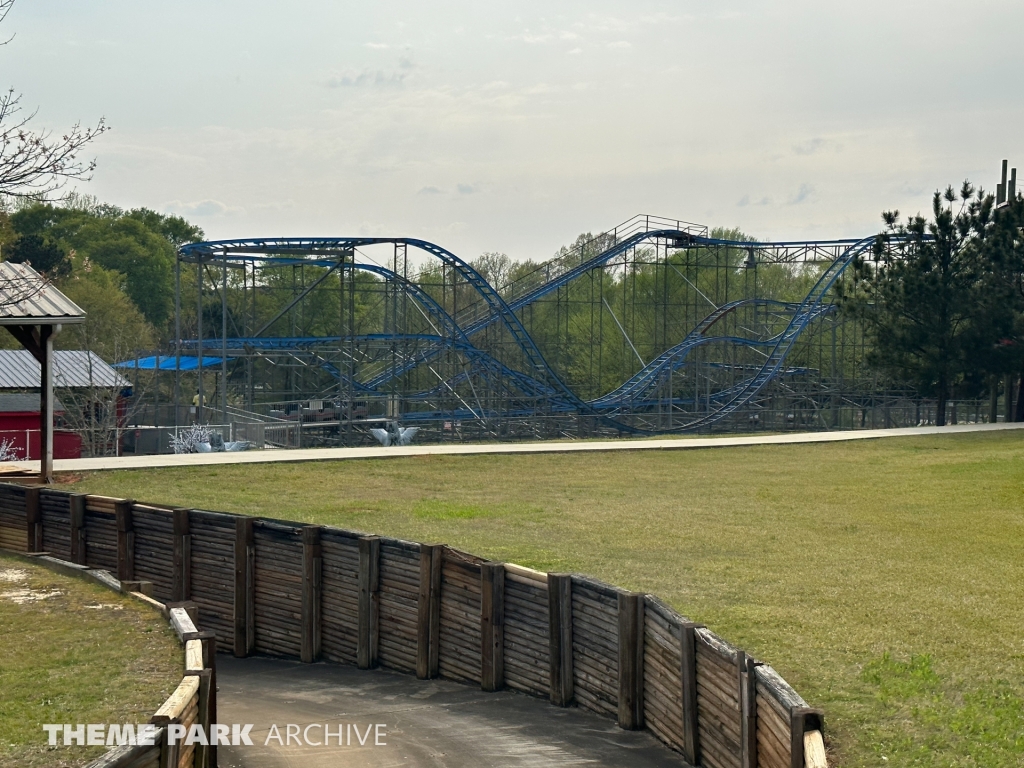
(514, 127)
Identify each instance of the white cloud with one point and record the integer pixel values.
(803, 195)
(203, 208)
(809, 147)
(375, 102)
(366, 78)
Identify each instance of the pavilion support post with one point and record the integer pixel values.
(224, 344)
(177, 340)
(199, 336)
(46, 334)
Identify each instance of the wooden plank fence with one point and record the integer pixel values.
(318, 592)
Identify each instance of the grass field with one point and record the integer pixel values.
(74, 652)
(882, 578)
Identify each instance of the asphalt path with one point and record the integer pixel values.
(408, 722)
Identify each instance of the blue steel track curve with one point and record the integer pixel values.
(541, 380)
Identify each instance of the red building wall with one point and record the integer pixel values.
(22, 429)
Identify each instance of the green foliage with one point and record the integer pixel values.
(438, 509)
(114, 327)
(138, 245)
(898, 680)
(44, 257)
(984, 726)
(146, 260)
(935, 299)
(175, 229)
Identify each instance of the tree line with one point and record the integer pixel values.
(942, 299)
(117, 265)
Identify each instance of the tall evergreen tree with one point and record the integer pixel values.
(931, 298)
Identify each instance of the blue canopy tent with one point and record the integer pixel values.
(157, 363)
(167, 363)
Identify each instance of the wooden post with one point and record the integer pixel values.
(207, 690)
(77, 517)
(492, 626)
(369, 602)
(33, 521)
(312, 624)
(688, 658)
(189, 607)
(631, 660)
(803, 719)
(428, 629)
(182, 564)
(46, 333)
(748, 703)
(210, 661)
(142, 587)
(206, 756)
(243, 614)
(125, 540)
(169, 752)
(560, 638)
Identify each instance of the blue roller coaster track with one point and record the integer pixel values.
(536, 384)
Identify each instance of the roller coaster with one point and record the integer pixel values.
(655, 326)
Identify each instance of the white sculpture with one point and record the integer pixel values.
(393, 434)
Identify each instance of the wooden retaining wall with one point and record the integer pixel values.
(340, 579)
(209, 580)
(154, 549)
(277, 588)
(526, 645)
(459, 615)
(311, 592)
(13, 518)
(55, 513)
(398, 598)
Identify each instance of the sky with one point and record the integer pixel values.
(515, 127)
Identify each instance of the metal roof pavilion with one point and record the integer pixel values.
(27, 299)
(34, 312)
(72, 369)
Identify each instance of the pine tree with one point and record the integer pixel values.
(931, 298)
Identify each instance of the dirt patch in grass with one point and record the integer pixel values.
(882, 578)
(74, 652)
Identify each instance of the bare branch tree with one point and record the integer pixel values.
(36, 163)
(5, 7)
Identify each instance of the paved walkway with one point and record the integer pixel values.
(424, 723)
(551, 446)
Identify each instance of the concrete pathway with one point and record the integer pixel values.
(424, 723)
(546, 446)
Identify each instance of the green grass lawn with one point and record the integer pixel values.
(75, 652)
(881, 578)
